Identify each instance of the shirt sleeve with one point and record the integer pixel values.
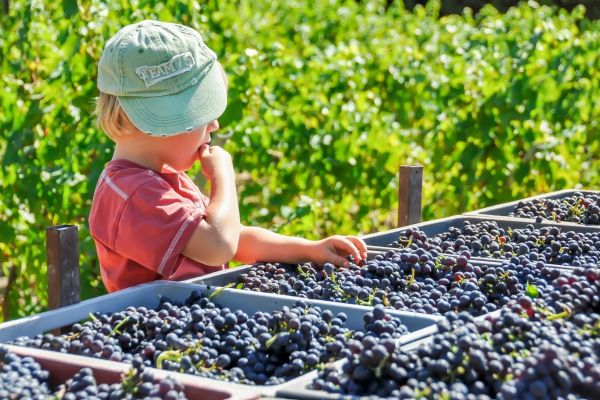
(155, 225)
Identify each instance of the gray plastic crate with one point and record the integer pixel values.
(380, 241)
(66, 366)
(147, 295)
(221, 278)
(436, 226)
(505, 209)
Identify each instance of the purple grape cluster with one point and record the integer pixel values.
(487, 239)
(201, 338)
(24, 378)
(510, 356)
(555, 371)
(576, 291)
(578, 208)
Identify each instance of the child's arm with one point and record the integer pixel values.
(257, 244)
(215, 240)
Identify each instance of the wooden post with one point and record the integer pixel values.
(62, 254)
(6, 284)
(5, 3)
(410, 184)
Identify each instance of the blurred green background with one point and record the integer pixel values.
(327, 99)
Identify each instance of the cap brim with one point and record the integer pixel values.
(169, 115)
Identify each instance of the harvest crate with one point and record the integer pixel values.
(436, 226)
(505, 209)
(233, 278)
(476, 260)
(541, 347)
(147, 295)
(382, 241)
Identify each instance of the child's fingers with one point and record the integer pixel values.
(339, 261)
(360, 245)
(343, 243)
(204, 150)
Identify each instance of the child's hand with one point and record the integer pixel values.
(334, 249)
(216, 163)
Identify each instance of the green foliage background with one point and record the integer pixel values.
(327, 99)
(456, 6)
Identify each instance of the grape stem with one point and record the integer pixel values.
(119, 325)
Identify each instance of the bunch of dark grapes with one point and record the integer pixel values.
(21, 377)
(199, 337)
(503, 357)
(574, 292)
(310, 281)
(137, 383)
(579, 208)
(486, 239)
(551, 372)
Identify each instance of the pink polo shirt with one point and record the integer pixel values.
(140, 222)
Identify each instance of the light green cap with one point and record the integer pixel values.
(164, 76)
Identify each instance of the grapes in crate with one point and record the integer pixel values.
(578, 208)
(24, 378)
(552, 245)
(201, 338)
(422, 281)
(21, 376)
(510, 356)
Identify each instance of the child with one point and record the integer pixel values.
(161, 92)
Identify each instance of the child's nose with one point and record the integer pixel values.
(213, 126)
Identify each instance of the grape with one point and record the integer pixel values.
(549, 317)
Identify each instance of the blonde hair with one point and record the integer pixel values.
(111, 118)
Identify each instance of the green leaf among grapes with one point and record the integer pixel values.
(532, 291)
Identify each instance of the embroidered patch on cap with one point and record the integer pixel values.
(152, 74)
